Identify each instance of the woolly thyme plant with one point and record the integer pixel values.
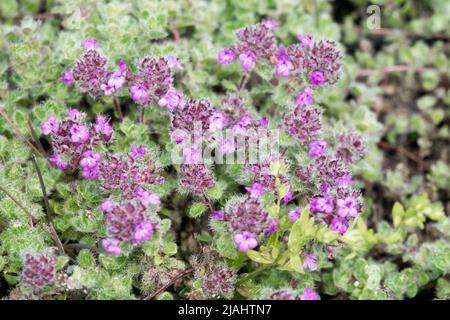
(277, 188)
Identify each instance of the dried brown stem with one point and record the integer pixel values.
(47, 208)
(117, 107)
(171, 282)
(21, 135)
(35, 137)
(408, 154)
(33, 219)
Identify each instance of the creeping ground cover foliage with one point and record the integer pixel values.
(210, 149)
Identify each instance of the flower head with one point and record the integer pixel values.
(317, 148)
(143, 232)
(67, 77)
(192, 155)
(112, 246)
(90, 160)
(217, 121)
(317, 78)
(305, 39)
(245, 241)
(106, 206)
(174, 62)
(309, 294)
(227, 146)
(269, 23)
(226, 56)
(322, 205)
(49, 126)
(39, 271)
(139, 93)
(293, 215)
(147, 197)
(310, 262)
(247, 60)
(171, 99)
(217, 215)
(256, 190)
(136, 152)
(339, 224)
(90, 43)
(347, 207)
(79, 133)
(305, 97)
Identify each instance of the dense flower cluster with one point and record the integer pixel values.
(217, 279)
(73, 141)
(39, 271)
(127, 221)
(303, 123)
(247, 221)
(128, 173)
(196, 178)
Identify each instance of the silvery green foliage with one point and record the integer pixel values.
(34, 54)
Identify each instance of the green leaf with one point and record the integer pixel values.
(197, 209)
(302, 231)
(259, 257)
(398, 213)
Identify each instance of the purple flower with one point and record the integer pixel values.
(238, 128)
(143, 231)
(171, 99)
(317, 78)
(106, 206)
(113, 84)
(123, 66)
(74, 115)
(90, 160)
(139, 93)
(227, 146)
(174, 62)
(177, 137)
(217, 121)
(112, 246)
(283, 68)
(264, 121)
(247, 60)
(136, 152)
(309, 294)
(147, 197)
(317, 148)
(310, 262)
(90, 174)
(339, 224)
(90, 43)
(55, 159)
(347, 207)
(344, 181)
(293, 215)
(245, 241)
(322, 204)
(102, 126)
(246, 119)
(304, 98)
(49, 126)
(67, 77)
(324, 187)
(256, 190)
(269, 23)
(79, 133)
(305, 39)
(39, 271)
(273, 227)
(192, 155)
(217, 215)
(287, 197)
(226, 56)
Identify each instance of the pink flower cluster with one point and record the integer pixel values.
(73, 141)
(39, 271)
(247, 221)
(151, 84)
(127, 221)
